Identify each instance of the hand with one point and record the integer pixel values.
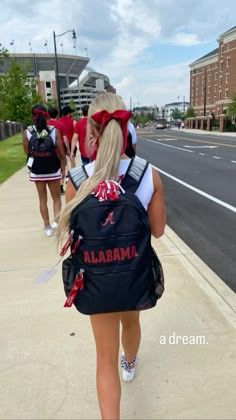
(72, 156)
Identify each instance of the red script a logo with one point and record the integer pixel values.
(109, 219)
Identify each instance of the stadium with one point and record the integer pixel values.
(77, 81)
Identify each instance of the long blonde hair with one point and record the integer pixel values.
(108, 154)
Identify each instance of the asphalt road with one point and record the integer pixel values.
(199, 177)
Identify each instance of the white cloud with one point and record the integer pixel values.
(185, 39)
(129, 40)
(155, 85)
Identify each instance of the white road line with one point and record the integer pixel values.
(210, 197)
(202, 154)
(233, 161)
(216, 157)
(168, 145)
(202, 147)
(167, 139)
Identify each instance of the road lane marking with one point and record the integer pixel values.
(206, 141)
(197, 141)
(202, 147)
(216, 157)
(169, 139)
(202, 154)
(233, 161)
(200, 192)
(168, 145)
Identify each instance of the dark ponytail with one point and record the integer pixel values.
(40, 116)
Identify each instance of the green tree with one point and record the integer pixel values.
(3, 52)
(232, 105)
(17, 95)
(176, 114)
(73, 105)
(52, 102)
(190, 113)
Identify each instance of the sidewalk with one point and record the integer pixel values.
(47, 351)
(206, 133)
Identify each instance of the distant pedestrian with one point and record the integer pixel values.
(80, 137)
(40, 142)
(69, 124)
(130, 150)
(53, 121)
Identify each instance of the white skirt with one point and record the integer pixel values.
(45, 177)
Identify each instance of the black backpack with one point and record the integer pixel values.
(112, 266)
(43, 151)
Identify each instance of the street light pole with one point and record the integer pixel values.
(57, 74)
(183, 104)
(56, 62)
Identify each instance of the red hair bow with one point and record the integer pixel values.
(36, 112)
(122, 116)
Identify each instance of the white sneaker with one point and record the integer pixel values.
(48, 230)
(54, 225)
(128, 369)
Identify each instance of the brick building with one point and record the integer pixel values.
(213, 77)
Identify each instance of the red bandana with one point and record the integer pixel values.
(102, 118)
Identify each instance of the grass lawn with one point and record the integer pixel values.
(12, 157)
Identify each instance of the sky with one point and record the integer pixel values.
(143, 46)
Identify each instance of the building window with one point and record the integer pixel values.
(220, 96)
(215, 88)
(48, 84)
(226, 93)
(196, 91)
(214, 99)
(216, 74)
(222, 50)
(221, 66)
(228, 62)
(208, 89)
(197, 81)
(209, 77)
(220, 82)
(228, 46)
(196, 103)
(208, 100)
(227, 78)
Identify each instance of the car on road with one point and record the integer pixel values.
(161, 123)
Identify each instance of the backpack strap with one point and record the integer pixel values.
(134, 174)
(77, 176)
(31, 129)
(51, 128)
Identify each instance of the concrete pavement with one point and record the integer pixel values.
(187, 357)
(206, 133)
